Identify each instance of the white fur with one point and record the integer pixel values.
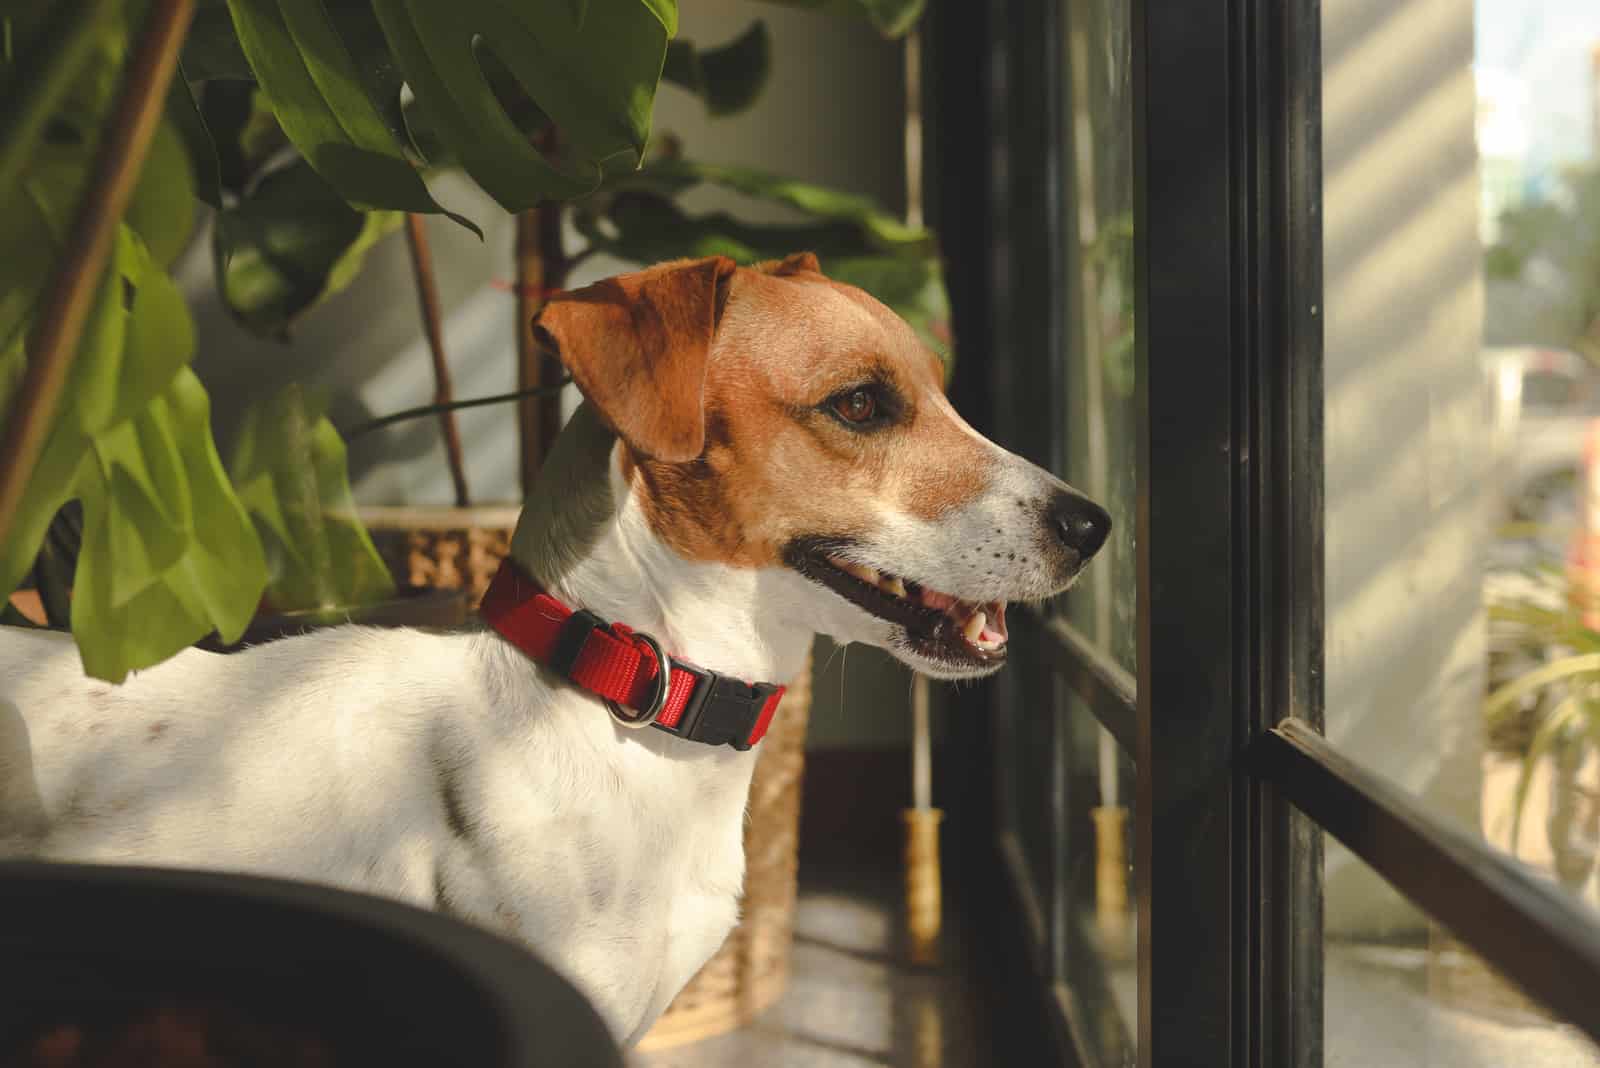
(446, 769)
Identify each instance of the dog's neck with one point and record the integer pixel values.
(586, 538)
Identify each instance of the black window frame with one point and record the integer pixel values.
(1235, 782)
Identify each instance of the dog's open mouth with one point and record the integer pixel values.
(937, 625)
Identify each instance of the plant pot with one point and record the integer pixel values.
(372, 981)
(443, 548)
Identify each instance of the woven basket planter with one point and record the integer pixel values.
(452, 548)
(445, 548)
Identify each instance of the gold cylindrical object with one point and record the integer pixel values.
(924, 903)
(1111, 861)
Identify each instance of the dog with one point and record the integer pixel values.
(762, 454)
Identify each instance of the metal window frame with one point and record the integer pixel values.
(1227, 194)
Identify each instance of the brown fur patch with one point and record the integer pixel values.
(775, 465)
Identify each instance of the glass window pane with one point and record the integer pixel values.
(1100, 419)
(1461, 155)
(1095, 944)
(1410, 995)
(1099, 946)
(1033, 767)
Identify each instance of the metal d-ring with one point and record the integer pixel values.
(658, 700)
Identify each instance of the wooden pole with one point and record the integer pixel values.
(53, 340)
(542, 267)
(433, 325)
(923, 873)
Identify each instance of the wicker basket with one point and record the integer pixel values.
(446, 548)
(451, 548)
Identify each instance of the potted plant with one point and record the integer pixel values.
(1542, 722)
(98, 404)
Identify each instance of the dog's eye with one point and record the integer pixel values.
(856, 406)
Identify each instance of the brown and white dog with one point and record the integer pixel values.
(764, 454)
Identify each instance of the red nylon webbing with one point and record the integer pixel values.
(616, 665)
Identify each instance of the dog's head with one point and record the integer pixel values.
(774, 418)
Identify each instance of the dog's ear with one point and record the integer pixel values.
(794, 263)
(637, 346)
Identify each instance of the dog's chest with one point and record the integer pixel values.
(626, 875)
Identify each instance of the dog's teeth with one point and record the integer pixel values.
(972, 629)
(860, 571)
(893, 585)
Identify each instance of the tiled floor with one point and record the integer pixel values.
(1380, 1011)
(850, 1003)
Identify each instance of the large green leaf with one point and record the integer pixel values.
(162, 209)
(321, 103)
(183, 112)
(289, 467)
(169, 554)
(730, 78)
(333, 71)
(211, 48)
(288, 244)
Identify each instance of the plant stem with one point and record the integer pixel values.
(428, 296)
(53, 340)
(433, 409)
(542, 266)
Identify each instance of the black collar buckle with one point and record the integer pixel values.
(722, 710)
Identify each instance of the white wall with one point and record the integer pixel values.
(1407, 451)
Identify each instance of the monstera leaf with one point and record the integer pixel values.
(859, 243)
(333, 72)
(728, 79)
(289, 466)
(168, 553)
(291, 243)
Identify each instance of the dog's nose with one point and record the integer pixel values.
(1081, 524)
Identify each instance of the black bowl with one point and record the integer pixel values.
(379, 982)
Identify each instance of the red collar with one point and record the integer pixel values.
(622, 667)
